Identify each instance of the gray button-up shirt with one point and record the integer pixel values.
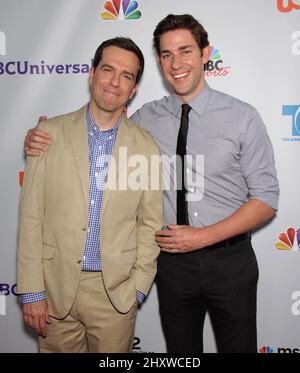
(232, 156)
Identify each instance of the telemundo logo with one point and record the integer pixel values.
(2, 44)
(294, 112)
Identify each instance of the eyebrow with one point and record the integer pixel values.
(111, 67)
(128, 73)
(183, 47)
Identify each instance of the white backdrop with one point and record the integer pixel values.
(256, 45)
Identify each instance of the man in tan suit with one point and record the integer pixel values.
(87, 253)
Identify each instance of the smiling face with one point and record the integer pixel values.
(112, 82)
(182, 63)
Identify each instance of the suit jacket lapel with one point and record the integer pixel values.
(79, 141)
(124, 142)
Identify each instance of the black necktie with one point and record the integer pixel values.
(182, 208)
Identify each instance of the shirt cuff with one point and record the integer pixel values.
(32, 297)
(140, 297)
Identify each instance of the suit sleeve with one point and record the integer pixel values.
(30, 270)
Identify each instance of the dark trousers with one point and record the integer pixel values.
(221, 281)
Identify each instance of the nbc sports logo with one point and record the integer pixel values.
(289, 240)
(121, 10)
(214, 54)
(2, 44)
(266, 350)
(214, 67)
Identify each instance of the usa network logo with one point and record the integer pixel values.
(280, 350)
(289, 240)
(121, 10)
(286, 6)
(214, 67)
(294, 112)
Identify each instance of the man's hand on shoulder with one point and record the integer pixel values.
(36, 141)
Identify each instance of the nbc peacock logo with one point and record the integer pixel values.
(121, 10)
(289, 240)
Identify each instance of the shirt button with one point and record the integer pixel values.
(92, 202)
(187, 170)
(192, 190)
(195, 214)
(84, 228)
(96, 174)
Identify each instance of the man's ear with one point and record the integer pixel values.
(134, 90)
(158, 59)
(206, 52)
(91, 74)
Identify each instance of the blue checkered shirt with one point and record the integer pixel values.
(100, 144)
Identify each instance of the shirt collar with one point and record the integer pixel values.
(198, 104)
(95, 130)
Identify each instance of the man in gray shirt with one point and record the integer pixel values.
(207, 264)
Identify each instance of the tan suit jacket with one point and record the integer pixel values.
(54, 218)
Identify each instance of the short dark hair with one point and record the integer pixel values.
(124, 43)
(184, 21)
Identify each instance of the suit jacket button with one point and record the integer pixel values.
(79, 261)
(84, 228)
